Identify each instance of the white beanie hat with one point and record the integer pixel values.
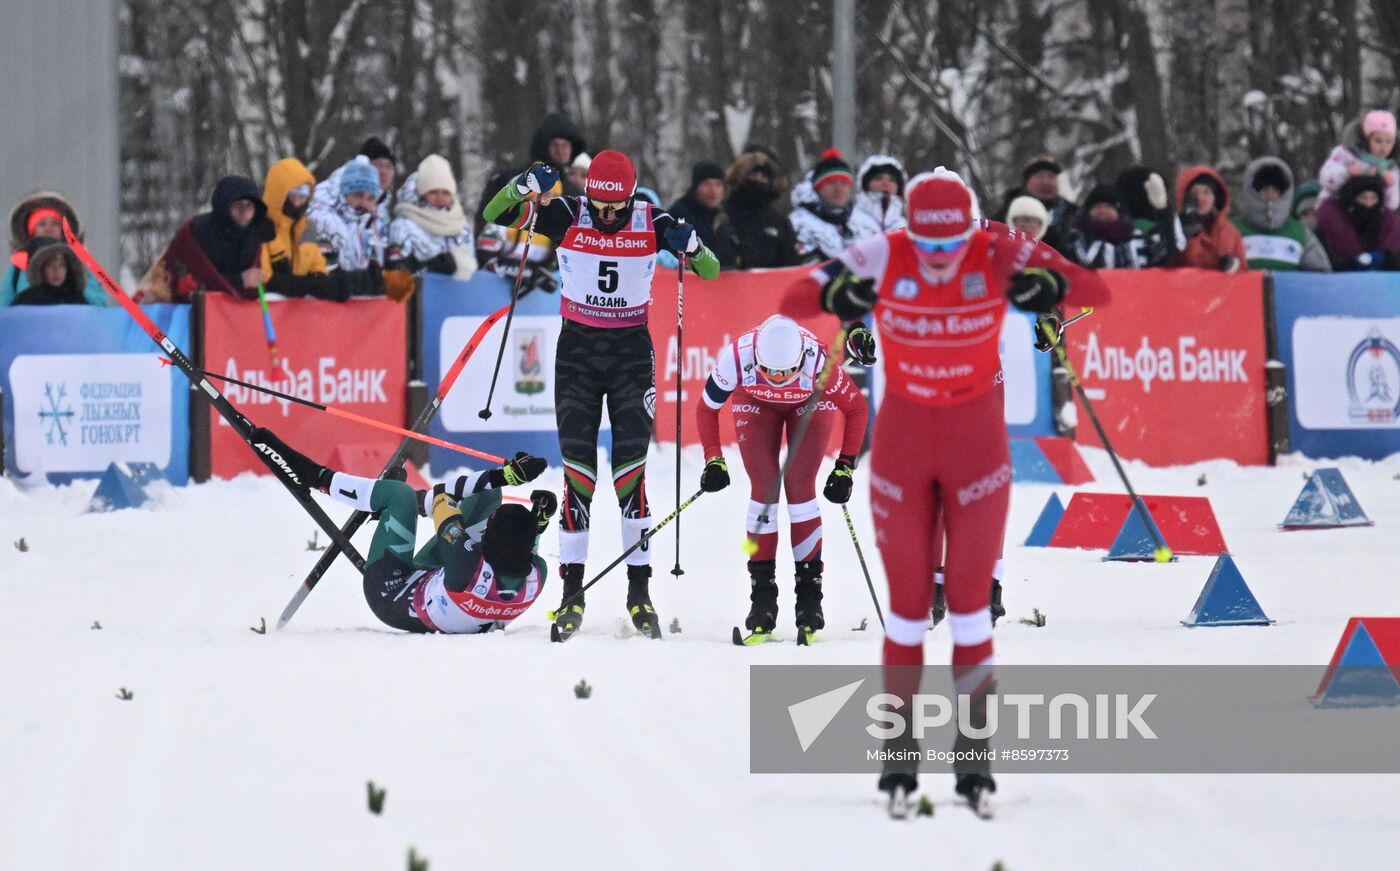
(435, 174)
(1028, 207)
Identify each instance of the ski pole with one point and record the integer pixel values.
(851, 527)
(1162, 553)
(267, 326)
(240, 424)
(425, 417)
(808, 412)
(485, 413)
(350, 415)
(569, 600)
(680, 389)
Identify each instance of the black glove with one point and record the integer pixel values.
(716, 475)
(543, 504)
(1048, 322)
(519, 470)
(839, 482)
(848, 296)
(860, 345)
(442, 264)
(1036, 290)
(540, 278)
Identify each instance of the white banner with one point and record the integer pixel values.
(525, 390)
(1018, 367)
(1346, 372)
(80, 412)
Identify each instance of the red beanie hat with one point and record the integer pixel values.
(38, 215)
(611, 178)
(940, 208)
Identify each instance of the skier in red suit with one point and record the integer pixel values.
(771, 372)
(939, 291)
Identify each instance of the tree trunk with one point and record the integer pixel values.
(1232, 23)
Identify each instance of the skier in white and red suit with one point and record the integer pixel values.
(770, 372)
(939, 291)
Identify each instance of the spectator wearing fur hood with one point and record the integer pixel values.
(1367, 148)
(1273, 238)
(1212, 242)
(879, 204)
(1042, 177)
(760, 237)
(821, 209)
(429, 231)
(56, 276)
(40, 216)
(1359, 233)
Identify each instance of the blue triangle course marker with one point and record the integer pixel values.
(1325, 502)
(1046, 523)
(1029, 465)
(1361, 679)
(123, 485)
(1136, 542)
(1226, 599)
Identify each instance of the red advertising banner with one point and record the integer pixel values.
(716, 313)
(350, 355)
(1174, 366)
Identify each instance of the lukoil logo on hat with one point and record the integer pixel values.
(611, 177)
(940, 207)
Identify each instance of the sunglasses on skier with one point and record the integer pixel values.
(779, 376)
(603, 206)
(945, 247)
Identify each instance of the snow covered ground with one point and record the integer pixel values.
(241, 750)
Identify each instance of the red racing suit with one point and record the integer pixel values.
(940, 454)
(762, 413)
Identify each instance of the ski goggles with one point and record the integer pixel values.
(603, 206)
(779, 376)
(945, 246)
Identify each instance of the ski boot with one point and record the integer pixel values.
(975, 788)
(899, 774)
(998, 611)
(808, 610)
(639, 607)
(940, 606)
(763, 609)
(569, 617)
(973, 763)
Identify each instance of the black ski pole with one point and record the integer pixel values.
(1162, 553)
(221, 404)
(680, 388)
(485, 413)
(851, 527)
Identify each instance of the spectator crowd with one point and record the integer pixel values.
(355, 234)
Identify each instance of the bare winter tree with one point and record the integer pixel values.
(210, 88)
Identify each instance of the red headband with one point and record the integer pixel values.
(38, 215)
